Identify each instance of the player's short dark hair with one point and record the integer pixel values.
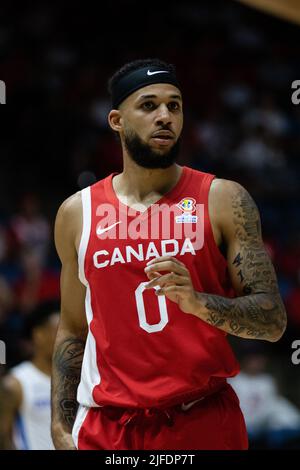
(136, 65)
(40, 315)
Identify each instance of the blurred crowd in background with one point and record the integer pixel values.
(236, 67)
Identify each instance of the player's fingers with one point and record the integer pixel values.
(179, 290)
(165, 258)
(167, 278)
(153, 274)
(167, 266)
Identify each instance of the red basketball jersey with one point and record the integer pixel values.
(142, 350)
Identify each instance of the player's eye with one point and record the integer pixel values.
(148, 105)
(173, 106)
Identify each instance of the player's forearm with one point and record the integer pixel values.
(67, 361)
(62, 439)
(256, 316)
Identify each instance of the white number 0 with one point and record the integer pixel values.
(142, 314)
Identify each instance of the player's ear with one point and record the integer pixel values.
(115, 120)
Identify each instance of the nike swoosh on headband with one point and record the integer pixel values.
(159, 71)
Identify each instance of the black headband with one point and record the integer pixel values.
(138, 79)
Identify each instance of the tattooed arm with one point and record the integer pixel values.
(70, 340)
(257, 312)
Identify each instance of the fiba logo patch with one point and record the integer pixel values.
(187, 205)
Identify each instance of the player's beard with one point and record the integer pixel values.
(145, 156)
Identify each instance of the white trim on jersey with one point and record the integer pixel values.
(90, 376)
(81, 415)
(86, 230)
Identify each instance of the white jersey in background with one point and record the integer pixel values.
(32, 426)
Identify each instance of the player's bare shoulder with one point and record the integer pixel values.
(68, 223)
(223, 191)
(229, 203)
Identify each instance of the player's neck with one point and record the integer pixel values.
(139, 183)
(42, 363)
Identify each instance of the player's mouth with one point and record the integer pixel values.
(163, 137)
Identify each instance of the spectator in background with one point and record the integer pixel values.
(31, 228)
(264, 409)
(271, 118)
(36, 284)
(257, 153)
(25, 390)
(6, 299)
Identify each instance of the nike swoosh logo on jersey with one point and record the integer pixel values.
(100, 230)
(186, 407)
(159, 71)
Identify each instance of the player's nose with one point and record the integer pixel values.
(163, 115)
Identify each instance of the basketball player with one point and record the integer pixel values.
(25, 392)
(159, 263)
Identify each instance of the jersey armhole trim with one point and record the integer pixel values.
(85, 234)
(212, 242)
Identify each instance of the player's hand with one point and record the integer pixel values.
(173, 280)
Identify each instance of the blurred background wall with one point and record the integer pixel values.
(236, 66)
